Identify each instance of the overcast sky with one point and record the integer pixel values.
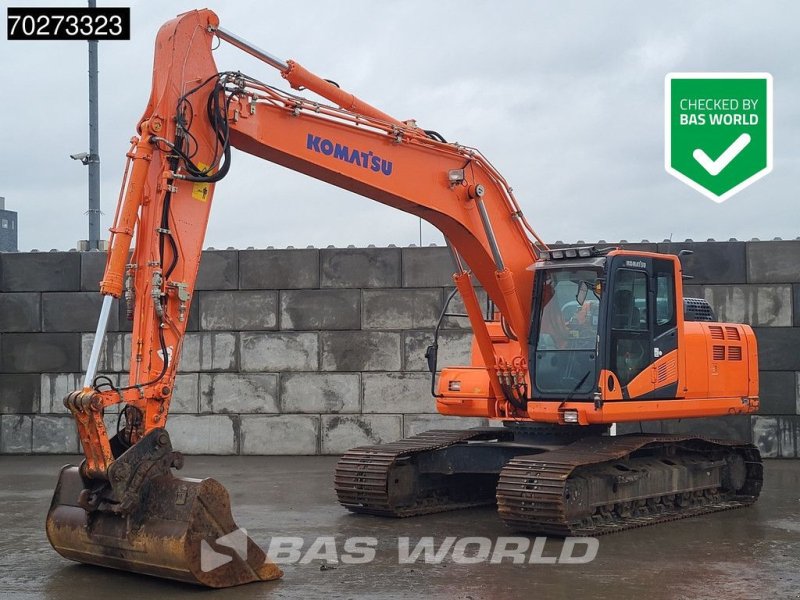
(565, 98)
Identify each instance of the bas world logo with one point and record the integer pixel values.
(210, 559)
(428, 550)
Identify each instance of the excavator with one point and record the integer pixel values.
(570, 341)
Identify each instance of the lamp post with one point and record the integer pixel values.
(94, 148)
(91, 159)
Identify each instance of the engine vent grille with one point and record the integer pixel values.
(718, 353)
(732, 333)
(734, 353)
(697, 309)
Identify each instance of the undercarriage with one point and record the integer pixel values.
(554, 480)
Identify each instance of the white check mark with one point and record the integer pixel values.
(714, 167)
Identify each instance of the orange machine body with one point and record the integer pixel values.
(713, 371)
(195, 114)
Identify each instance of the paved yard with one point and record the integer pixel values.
(750, 553)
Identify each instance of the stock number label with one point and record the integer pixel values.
(68, 23)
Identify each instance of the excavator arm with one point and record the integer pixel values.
(194, 117)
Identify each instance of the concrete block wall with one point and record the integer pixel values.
(314, 351)
(296, 351)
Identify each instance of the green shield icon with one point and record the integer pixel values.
(718, 130)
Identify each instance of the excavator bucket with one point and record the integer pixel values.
(154, 523)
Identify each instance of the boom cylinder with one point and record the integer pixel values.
(251, 49)
(122, 231)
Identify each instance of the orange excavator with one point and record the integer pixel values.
(570, 341)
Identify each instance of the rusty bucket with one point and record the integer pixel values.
(165, 526)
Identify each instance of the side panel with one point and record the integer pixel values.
(727, 353)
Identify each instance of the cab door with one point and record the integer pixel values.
(642, 327)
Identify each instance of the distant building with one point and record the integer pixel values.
(8, 229)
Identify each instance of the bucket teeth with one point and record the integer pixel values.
(157, 524)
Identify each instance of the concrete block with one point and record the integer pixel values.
(789, 436)
(777, 392)
(54, 388)
(75, 311)
(773, 262)
(427, 267)
(204, 434)
(279, 351)
(238, 310)
(320, 392)
(20, 312)
(777, 348)
(40, 272)
(280, 434)
(635, 246)
(40, 353)
(360, 351)
(360, 267)
(757, 305)
(311, 310)
(110, 420)
(209, 352)
(16, 434)
(19, 394)
(93, 266)
(193, 321)
(457, 306)
(796, 304)
(712, 262)
(401, 308)
(54, 434)
(219, 270)
(797, 410)
(765, 436)
(341, 433)
(416, 424)
(123, 324)
(115, 354)
(455, 349)
(185, 394)
(278, 269)
(397, 393)
(238, 393)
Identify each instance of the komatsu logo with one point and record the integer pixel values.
(636, 264)
(354, 156)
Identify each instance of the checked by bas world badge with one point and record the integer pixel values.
(718, 130)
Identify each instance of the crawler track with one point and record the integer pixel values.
(602, 485)
(381, 480)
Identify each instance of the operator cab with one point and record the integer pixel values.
(601, 312)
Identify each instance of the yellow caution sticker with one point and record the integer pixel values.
(201, 191)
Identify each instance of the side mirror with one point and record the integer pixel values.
(583, 290)
(430, 356)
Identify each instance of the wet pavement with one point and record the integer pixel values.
(747, 553)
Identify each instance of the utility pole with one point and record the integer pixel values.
(94, 148)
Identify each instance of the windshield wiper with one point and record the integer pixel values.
(580, 383)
